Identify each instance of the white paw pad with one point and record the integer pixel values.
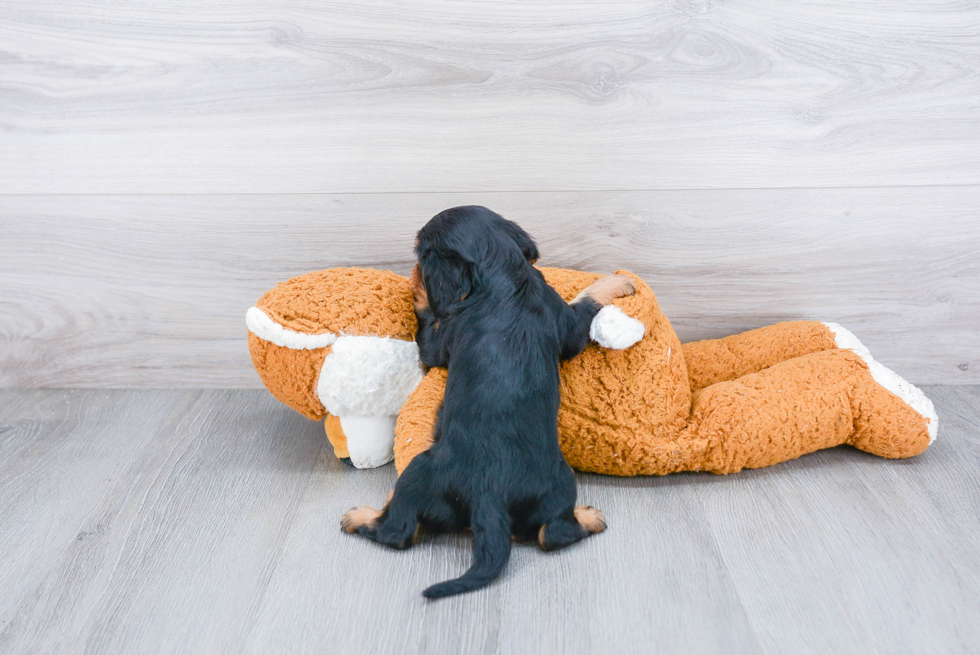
(612, 328)
(889, 379)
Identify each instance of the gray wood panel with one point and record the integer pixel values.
(150, 291)
(171, 96)
(209, 522)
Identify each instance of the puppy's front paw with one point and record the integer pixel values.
(607, 288)
(620, 286)
(360, 517)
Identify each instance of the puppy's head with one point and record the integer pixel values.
(463, 249)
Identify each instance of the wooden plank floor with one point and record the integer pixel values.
(207, 521)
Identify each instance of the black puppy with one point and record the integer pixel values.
(487, 314)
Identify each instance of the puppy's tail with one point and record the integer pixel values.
(491, 550)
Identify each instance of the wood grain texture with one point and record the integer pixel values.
(151, 291)
(59, 455)
(183, 534)
(178, 96)
(862, 537)
(608, 595)
(209, 522)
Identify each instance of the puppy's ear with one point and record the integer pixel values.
(523, 240)
(448, 279)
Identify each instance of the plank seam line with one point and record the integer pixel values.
(500, 192)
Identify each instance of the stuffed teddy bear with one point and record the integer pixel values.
(337, 345)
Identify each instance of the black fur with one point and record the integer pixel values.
(496, 465)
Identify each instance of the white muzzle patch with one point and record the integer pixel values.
(368, 376)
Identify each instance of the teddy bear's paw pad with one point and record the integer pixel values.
(613, 328)
(846, 340)
(590, 518)
(360, 517)
(908, 392)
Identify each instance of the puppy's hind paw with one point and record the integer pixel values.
(360, 517)
(590, 518)
(565, 530)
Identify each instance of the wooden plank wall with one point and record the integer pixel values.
(163, 163)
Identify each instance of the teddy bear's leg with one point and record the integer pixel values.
(717, 360)
(879, 425)
(816, 401)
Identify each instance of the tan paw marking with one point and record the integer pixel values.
(419, 297)
(607, 288)
(541, 536)
(359, 517)
(590, 518)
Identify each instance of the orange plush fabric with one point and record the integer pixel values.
(290, 375)
(360, 301)
(416, 421)
(798, 406)
(717, 360)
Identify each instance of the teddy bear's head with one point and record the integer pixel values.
(340, 345)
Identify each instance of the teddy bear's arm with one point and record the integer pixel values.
(416, 425)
